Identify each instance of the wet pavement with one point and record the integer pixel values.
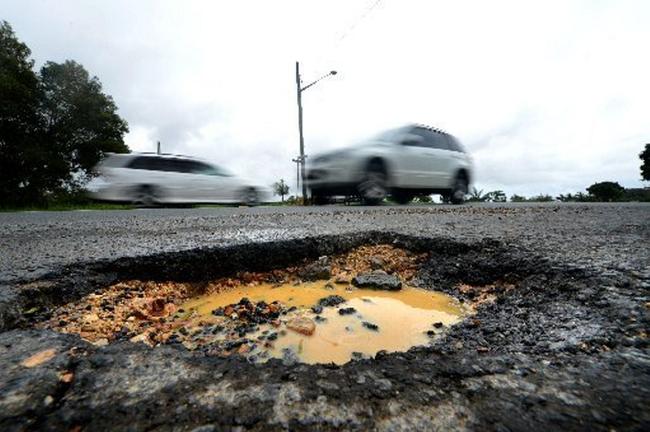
(559, 340)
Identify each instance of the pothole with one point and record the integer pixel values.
(321, 322)
(331, 310)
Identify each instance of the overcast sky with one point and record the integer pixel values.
(549, 97)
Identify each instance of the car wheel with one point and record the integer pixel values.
(459, 191)
(402, 197)
(373, 189)
(146, 196)
(250, 197)
(320, 199)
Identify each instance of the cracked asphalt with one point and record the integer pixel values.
(566, 349)
(33, 243)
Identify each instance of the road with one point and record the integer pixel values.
(566, 347)
(34, 243)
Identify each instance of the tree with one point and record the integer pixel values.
(606, 191)
(517, 198)
(54, 126)
(81, 122)
(645, 163)
(281, 188)
(20, 161)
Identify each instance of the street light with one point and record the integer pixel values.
(302, 157)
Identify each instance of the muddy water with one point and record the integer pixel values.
(402, 319)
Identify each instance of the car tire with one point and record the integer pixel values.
(320, 199)
(402, 197)
(459, 190)
(146, 196)
(374, 187)
(250, 197)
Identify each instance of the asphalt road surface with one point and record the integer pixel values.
(33, 243)
(566, 348)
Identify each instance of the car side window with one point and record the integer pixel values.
(217, 171)
(163, 164)
(182, 166)
(202, 168)
(441, 141)
(146, 163)
(432, 139)
(423, 133)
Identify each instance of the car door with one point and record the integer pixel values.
(151, 171)
(437, 156)
(180, 181)
(215, 184)
(423, 159)
(456, 158)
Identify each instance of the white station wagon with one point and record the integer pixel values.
(405, 162)
(154, 179)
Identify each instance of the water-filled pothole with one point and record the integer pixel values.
(335, 309)
(325, 322)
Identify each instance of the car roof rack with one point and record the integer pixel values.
(431, 128)
(166, 154)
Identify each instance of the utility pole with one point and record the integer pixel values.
(297, 162)
(302, 139)
(302, 157)
(158, 148)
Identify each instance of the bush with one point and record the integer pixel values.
(518, 198)
(637, 195)
(541, 198)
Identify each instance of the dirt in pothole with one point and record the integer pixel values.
(313, 313)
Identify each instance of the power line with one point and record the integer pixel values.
(358, 21)
(326, 55)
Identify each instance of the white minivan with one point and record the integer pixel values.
(153, 179)
(403, 163)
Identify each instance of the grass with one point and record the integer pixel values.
(68, 207)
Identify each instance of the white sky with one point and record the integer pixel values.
(548, 96)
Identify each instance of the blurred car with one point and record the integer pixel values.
(154, 179)
(404, 163)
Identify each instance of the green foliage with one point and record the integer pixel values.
(496, 196)
(606, 191)
(81, 121)
(54, 126)
(535, 198)
(281, 188)
(20, 160)
(638, 195)
(476, 195)
(541, 198)
(423, 199)
(578, 197)
(66, 200)
(645, 163)
(292, 200)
